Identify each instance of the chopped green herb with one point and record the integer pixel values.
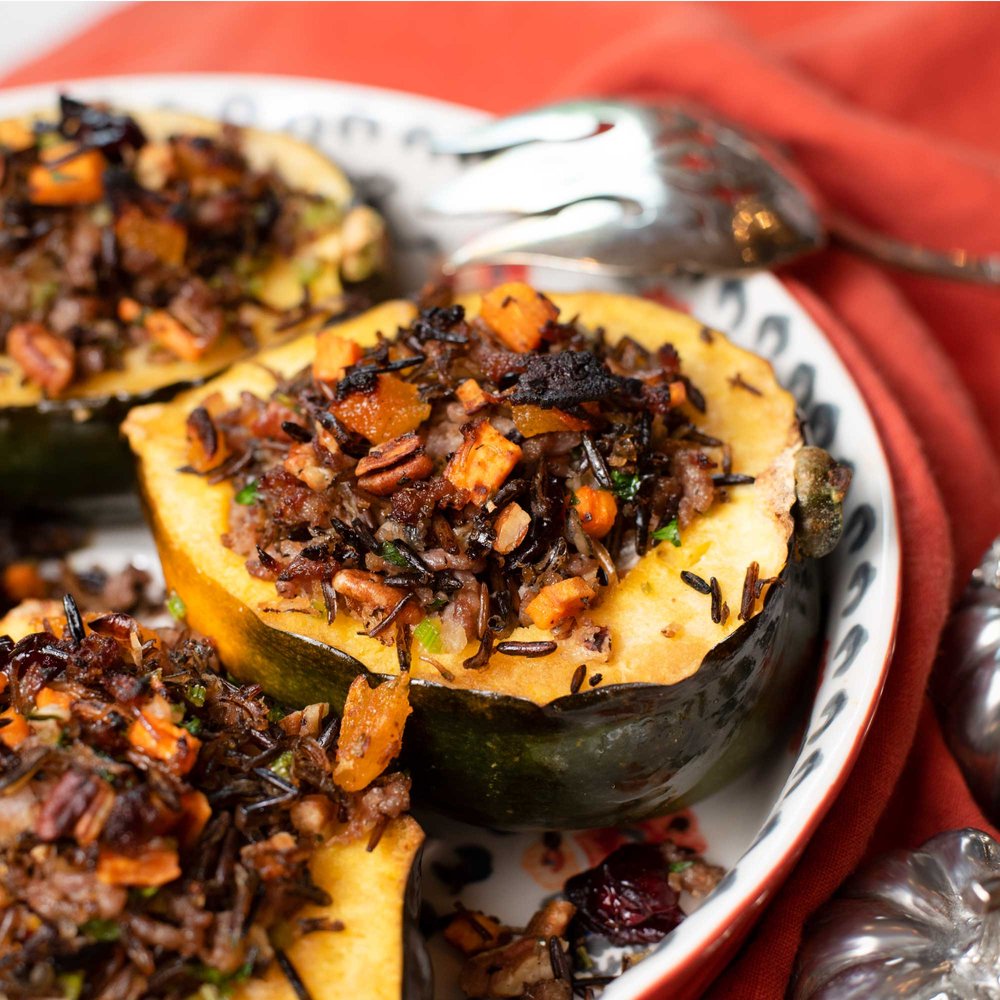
(391, 554)
(680, 866)
(324, 214)
(147, 891)
(196, 694)
(625, 485)
(176, 606)
(101, 930)
(192, 725)
(249, 494)
(308, 270)
(428, 634)
(276, 714)
(42, 294)
(71, 984)
(282, 765)
(437, 604)
(669, 532)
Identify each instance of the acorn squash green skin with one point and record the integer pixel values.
(602, 757)
(47, 455)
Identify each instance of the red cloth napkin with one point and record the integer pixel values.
(891, 109)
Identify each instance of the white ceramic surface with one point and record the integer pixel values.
(756, 826)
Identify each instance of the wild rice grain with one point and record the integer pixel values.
(695, 582)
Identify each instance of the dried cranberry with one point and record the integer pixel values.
(627, 897)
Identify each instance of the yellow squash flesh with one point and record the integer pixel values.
(188, 517)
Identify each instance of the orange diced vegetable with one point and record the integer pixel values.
(471, 396)
(559, 602)
(334, 354)
(162, 239)
(153, 867)
(483, 461)
(171, 334)
(129, 311)
(472, 932)
(195, 813)
(392, 408)
(207, 446)
(74, 181)
(518, 314)
(597, 510)
(15, 732)
(533, 420)
(52, 702)
(371, 730)
(16, 135)
(22, 582)
(156, 736)
(204, 163)
(678, 393)
(47, 360)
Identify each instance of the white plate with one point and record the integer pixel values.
(758, 826)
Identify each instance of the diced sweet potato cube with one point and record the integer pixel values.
(534, 420)
(472, 932)
(559, 602)
(153, 867)
(678, 393)
(518, 314)
(48, 361)
(22, 582)
(204, 163)
(14, 732)
(172, 335)
(371, 730)
(57, 180)
(391, 409)
(471, 396)
(164, 240)
(129, 311)
(483, 461)
(597, 510)
(195, 813)
(156, 736)
(53, 703)
(334, 354)
(15, 135)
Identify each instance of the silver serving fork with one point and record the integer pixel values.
(627, 189)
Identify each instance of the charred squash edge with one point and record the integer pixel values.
(607, 755)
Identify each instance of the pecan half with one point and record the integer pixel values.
(384, 455)
(47, 360)
(385, 481)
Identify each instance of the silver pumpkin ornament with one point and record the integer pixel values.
(966, 683)
(920, 925)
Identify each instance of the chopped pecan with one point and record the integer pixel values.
(511, 527)
(385, 481)
(47, 360)
(382, 456)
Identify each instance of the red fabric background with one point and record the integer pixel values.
(891, 109)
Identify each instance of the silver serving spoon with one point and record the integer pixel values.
(624, 189)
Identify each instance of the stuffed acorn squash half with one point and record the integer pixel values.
(141, 253)
(572, 520)
(167, 833)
